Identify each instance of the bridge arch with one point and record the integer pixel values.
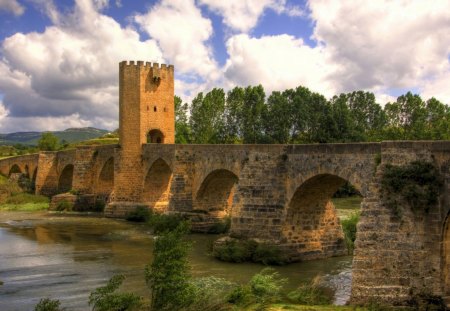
(216, 192)
(311, 226)
(65, 179)
(15, 169)
(157, 183)
(105, 179)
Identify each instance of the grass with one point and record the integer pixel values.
(347, 206)
(25, 207)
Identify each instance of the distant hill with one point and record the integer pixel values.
(71, 135)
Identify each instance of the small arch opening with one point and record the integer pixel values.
(154, 108)
(157, 185)
(216, 192)
(155, 137)
(15, 169)
(65, 179)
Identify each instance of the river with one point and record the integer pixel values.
(66, 257)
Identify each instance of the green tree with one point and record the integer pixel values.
(182, 130)
(207, 117)
(253, 112)
(233, 115)
(105, 298)
(48, 142)
(168, 276)
(438, 120)
(406, 118)
(365, 118)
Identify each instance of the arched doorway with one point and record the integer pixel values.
(105, 181)
(65, 179)
(157, 185)
(15, 169)
(155, 137)
(311, 227)
(216, 192)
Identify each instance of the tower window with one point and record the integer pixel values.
(165, 109)
(154, 108)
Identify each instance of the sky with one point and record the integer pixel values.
(59, 58)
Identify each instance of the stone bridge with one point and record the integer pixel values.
(279, 194)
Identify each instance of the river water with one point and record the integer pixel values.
(66, 257)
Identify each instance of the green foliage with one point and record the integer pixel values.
(47, 304)
(182, 128)
(139, 214)
(99, 206)
(165, 222)
(346, 190)
(168, 275)
(207, 117)
(234, 250)
(23, 197)
(48, 142)
(264, 288)
(223, 226)
(106, 298)
(418, 184)
(349, 228)
(64, 205)
(310, 294)
(210, 293)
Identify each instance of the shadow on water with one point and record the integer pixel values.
(66, 257)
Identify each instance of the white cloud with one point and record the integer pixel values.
(70, 71)
(12, 6)
(439, 88)
(278, 63)
(182, 33)
(384, 44)
(243, 16)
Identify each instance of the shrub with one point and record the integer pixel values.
(233, 250)
(223, 226)
(263, 288)
(99, 206)
(418, 184)
(64, 205)
(47, 304)
(168, 275)
(310, 294)
(105, 298)
(139, 214)
(268, 255)
(267, 285)
(346, 190)
(349, 228)
(210, 293)
(165, 222)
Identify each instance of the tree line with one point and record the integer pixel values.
(299, 116)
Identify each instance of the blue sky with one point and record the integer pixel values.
(59, 59)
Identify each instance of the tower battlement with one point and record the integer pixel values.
(140, 63)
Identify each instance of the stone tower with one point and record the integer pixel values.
(146, 115)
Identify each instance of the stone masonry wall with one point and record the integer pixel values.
(394, 258)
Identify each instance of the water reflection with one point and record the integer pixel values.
(67, 257)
